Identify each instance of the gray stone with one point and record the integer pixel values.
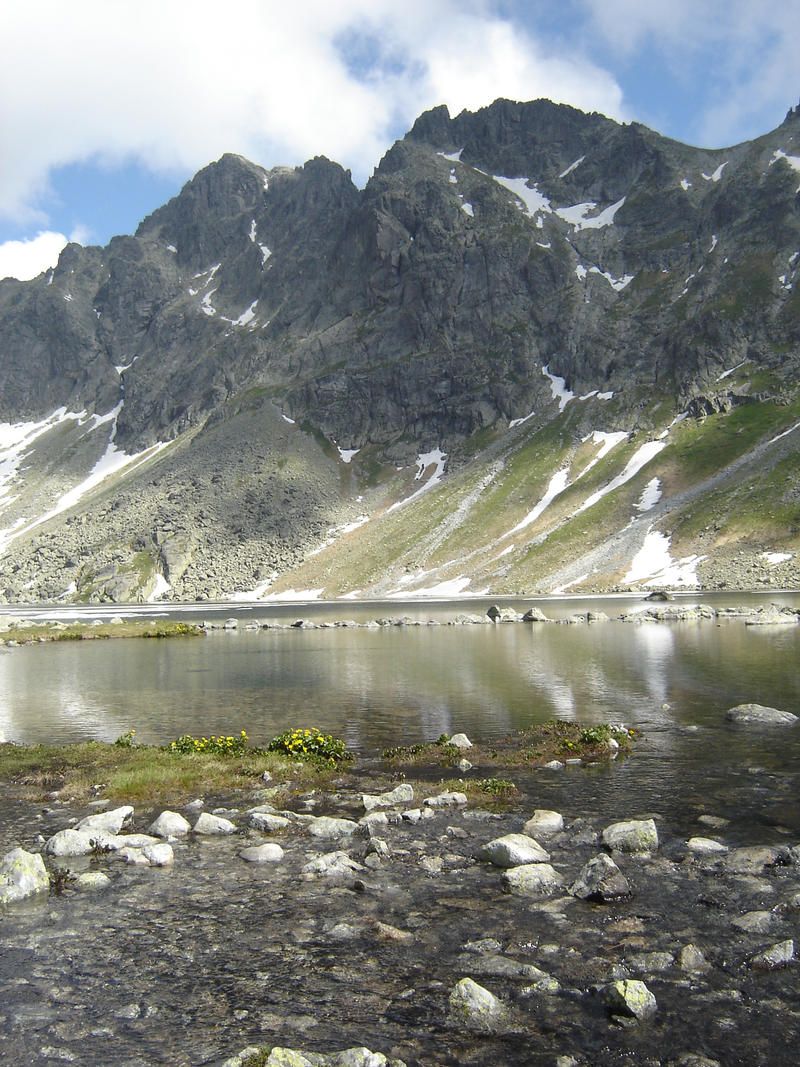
(446, 800)
(22, 874)
(705, 846)
(270, 852)
(71, 842)
(630, 997)
(754, 922)
(692, 960)
(401, 794)
(213, 824)
(266, 821)
(92, 880)
(513, 850)
(170, 824)
(758, 715)
(600, 880)
(109, 821)
(471, 1002)
(779, 955)
(325, 826)
(532, 880)
(160, 855)
(751, 860)
(636, 835)
(544, 823)
(460, 741)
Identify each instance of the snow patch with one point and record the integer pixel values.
(172, 248)
(774, 558)
(713, 242)
(288, 594)
(454, 157)
(436, 458)
(531, 198)
(572, 167)
(581, 272)
(785, 433)
(685, 185)
(793, 161)
(452, 588)
(452, 176)
(265, 254)
(246, 316)
(561, 589)
(650, 495)
(205, 304)
(730, 370)
(252, 234)
(640, 458)
(346, 454)
(558, 483)
(559, 389)
(607, 441)
(519, 422)
(579, 215)
(162, 587)
(715, 177)
(467, 207)
(654, 566)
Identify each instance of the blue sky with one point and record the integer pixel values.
(108, 106)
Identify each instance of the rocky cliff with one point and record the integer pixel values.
(524, 306)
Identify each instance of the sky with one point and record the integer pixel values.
(108, 106)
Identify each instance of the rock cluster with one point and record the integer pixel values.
(598, 927)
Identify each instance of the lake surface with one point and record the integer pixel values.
(402, 685)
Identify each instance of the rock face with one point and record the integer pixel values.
(308, 338)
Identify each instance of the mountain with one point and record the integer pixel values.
(538, 350)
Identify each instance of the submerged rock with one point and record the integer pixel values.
(780, 955)
(758, 715)
(513, 850)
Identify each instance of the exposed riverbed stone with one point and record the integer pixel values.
(447, 799)
(460, 741)
(270, 852)
(600, 880)
(544, 823)
(780, 955)
(110, 821)
(631, 997)
(758, 715)
(470, 1002)
(266, 821)
(213, 824)
(170, 824)
(22, 874)
(513, 850)
(326, 826)
(401, 794)
(532, 880)
(754, 922)
(705, 846)
(636, 835)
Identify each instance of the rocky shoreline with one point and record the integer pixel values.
(396, 917)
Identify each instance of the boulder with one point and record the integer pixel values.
(635, 835)
(170, 824)
(544, 823)
(758, 715)
(601, 880)
(109, 821)
(532, 880)
(270, 852)
(629, 997)
(71, 842)
(471, 1002)
(401, 794)
(780, 955)
(460, 741)
(325, 826)
(22, 874)
(513, 850)
(213, 824)
(266, 821)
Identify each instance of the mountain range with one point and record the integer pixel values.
(539, 350)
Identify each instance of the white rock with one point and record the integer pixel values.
(532, 879)
(70, 842)
(92, 880)
(705, 846)
(554, 765)
(634, 835)
(325, 826)
(110, 821)
(758, 715)
(471, 1001)
(170, 824)
(22, 874)
(513, 850)
(544, 823)
(401, 794)
(213, 824)
(270, 852)
(460, 741)
(446, 800)
(160, 855)
(267, 822)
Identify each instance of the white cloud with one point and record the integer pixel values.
(738, 58)
(176, 84)
(26, 259)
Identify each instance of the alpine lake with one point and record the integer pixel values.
(189, 963)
